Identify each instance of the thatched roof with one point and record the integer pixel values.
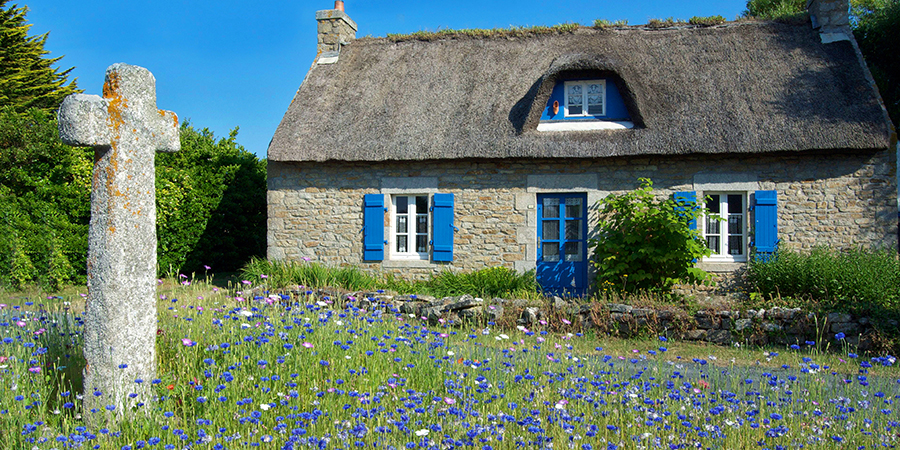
(738, 88)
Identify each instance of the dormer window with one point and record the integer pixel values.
(584, 104)
(585, 98)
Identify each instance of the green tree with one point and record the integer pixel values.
(211, 204)
(646, 243)
(878, 33)
(774, 9)
(44, 200)
(27, 79)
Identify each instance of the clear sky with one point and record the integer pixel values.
(225, 64)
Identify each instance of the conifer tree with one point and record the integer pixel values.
(27, 79)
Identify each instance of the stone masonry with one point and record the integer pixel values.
(838, 199)
(335, 28)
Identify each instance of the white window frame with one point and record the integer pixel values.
(724, 256)
(410, 235)
(584, 103)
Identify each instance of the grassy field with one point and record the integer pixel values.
(278, 371)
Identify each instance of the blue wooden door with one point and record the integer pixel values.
(562, 243)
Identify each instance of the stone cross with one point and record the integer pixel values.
(126, 130)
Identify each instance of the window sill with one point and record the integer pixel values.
(721, 266)
(571, 125)
(406, 263)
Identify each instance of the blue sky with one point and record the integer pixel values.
(227, 64)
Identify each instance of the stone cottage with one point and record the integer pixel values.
(459, 151)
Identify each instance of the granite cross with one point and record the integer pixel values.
(126, 130)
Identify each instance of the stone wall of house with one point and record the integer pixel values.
(839, 199)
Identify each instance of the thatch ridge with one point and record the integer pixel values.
(741, 87)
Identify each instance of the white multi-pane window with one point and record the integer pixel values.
(725, 226)
(585, 98)
(409, 231)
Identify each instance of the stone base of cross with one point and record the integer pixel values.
(126, 130)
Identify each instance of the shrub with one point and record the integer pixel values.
(706, 21)
(645, 243)
(603, 23)
(859, 281)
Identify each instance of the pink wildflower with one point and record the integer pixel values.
(34, 369)
(308, 344)
(188, 343)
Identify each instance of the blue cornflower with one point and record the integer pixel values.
(840, 336)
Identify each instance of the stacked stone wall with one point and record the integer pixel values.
(838, 199)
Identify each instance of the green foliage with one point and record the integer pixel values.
(645, 243)
(210, 203)
(775, 9)
(603, 23)
(859, 281)
(877, 30)
(210, 198)
(486, 283)
(283, 274)
(476, 33)
(27, 79)
(664, 23)
(706, 21)
(44, 201)
(21, 269)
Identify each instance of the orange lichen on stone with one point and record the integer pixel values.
(117, 103)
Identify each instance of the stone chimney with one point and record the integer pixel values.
(831, 18)
(336, 28)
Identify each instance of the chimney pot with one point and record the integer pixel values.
(339, 5)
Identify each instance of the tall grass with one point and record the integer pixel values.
(279, 274)
(487, 283)
(859, 281)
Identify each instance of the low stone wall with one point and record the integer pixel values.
(777, 325)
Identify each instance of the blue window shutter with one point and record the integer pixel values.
(686, 196)
(766, 223)
(442, 237)
(373, 227)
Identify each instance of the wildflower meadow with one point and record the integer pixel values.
(292, 371)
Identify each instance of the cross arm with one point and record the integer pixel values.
(166, 132)
(82, 121)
